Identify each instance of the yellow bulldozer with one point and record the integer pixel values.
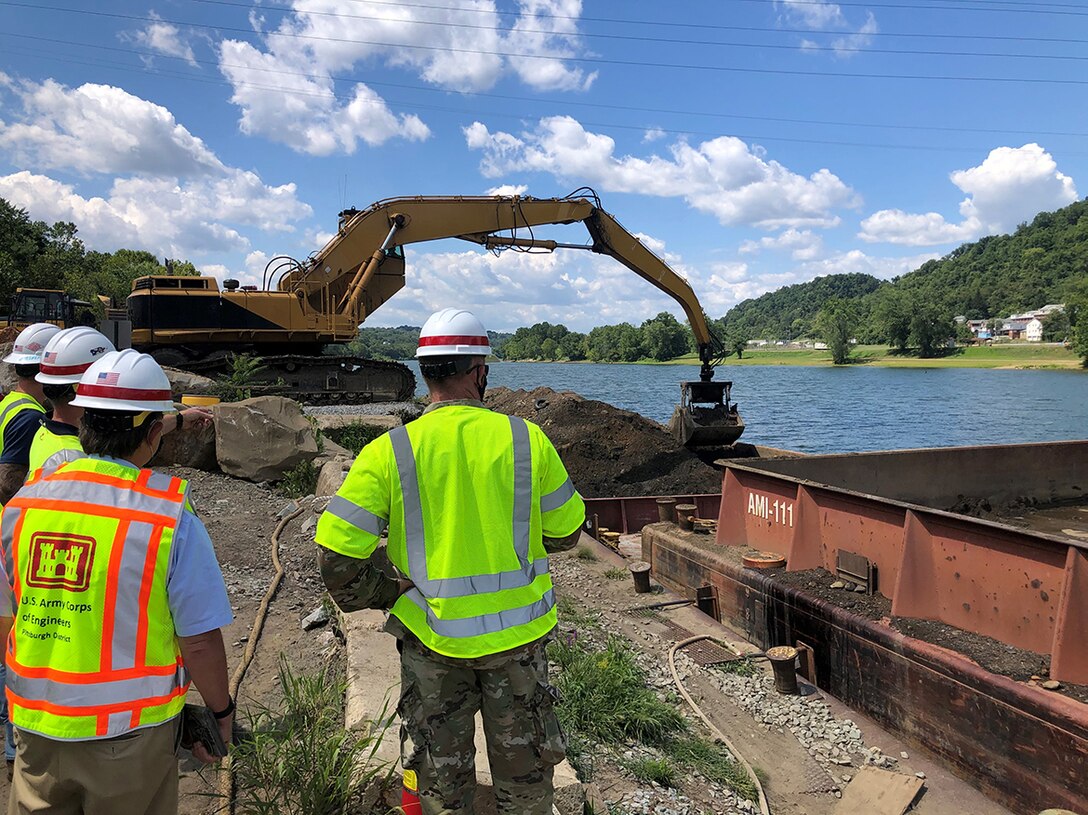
(301, 307)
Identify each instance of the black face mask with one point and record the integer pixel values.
(483, 385)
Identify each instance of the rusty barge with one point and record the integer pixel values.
(963, 561)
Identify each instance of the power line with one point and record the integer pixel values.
(712, 26)
(748, 137)
(916, 7)
(586, 60)
(539, 101)
(838, 49)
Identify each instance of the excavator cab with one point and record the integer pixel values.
(705, 416)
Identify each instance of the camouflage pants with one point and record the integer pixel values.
(438, 705)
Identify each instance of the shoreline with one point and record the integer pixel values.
(1021, 356)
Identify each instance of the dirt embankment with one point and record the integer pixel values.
(607, 451)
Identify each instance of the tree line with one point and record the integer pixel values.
(34, 254)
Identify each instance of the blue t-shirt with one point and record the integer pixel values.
(195, 589)
(18, 436)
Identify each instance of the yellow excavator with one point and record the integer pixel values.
(304, 306)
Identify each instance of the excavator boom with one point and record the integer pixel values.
(304, 306)
(353, 256)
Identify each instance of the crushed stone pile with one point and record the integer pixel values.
(609, 452)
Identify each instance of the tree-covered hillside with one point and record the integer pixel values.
(790, 312)
(1041, 262)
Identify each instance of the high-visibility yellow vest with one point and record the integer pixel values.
(92, 653)
(46, 444)
(468, 496)
(11, 406)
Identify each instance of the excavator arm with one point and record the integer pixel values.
(346, 266)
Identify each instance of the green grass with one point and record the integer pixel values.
(738, 667)
(605, 696)
(354, 436)
(301, 481)
(606, 701)
(569, 613)
(585, 553)
(713, 762)
(299, 757)
(1000, 355)
(616, 573)
(656, 770)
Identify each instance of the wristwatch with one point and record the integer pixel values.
(225, 712)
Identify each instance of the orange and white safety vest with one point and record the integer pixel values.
(92, 653)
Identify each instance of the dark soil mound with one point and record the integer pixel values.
(607, 451)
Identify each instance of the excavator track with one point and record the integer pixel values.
(320, 380)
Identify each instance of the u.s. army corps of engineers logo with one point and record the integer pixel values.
(60, 560)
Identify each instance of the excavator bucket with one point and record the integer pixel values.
(705, 417)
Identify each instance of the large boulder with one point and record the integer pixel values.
(262, 439)
(192, 446)
(183, 382)
(332, 476)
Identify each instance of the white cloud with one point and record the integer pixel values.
(168, 191)
(323, 38)
(164, 38)
(817, 15)
(724, 176)
(101, 129)
(159, 214)
(509, 189)
(823, 15)
(653, 134)
(1012, 185)
(801, 244)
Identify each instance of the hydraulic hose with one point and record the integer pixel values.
(718, 734)
(226, 777)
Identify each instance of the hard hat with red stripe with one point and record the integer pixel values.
(453, 332)
(71, 352)
(125, 381)
(30, 344)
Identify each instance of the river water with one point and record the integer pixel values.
(821, 410)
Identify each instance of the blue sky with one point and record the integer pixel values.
(752, 143)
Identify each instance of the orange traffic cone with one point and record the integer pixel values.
(409, 797)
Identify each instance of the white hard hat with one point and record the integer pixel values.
(453, 332)
(30, 344)
(69, 353)
(124, 380)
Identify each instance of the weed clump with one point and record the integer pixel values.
(354, 436)
(606, 700)
(616, 573)
(605, 696)
(299, 757)
(301, 481)
(585, 553)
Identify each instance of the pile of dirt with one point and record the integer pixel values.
(607, 451)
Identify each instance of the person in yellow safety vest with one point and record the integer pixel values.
(118, 602)
(67, 355)
(23, 408)
(473, 501)
(20, 412)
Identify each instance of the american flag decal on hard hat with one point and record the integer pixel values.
(108, 378)
(50, 356)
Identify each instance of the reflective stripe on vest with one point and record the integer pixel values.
(92, 652)
(47, 444)
(11, 406)
(427, 588)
